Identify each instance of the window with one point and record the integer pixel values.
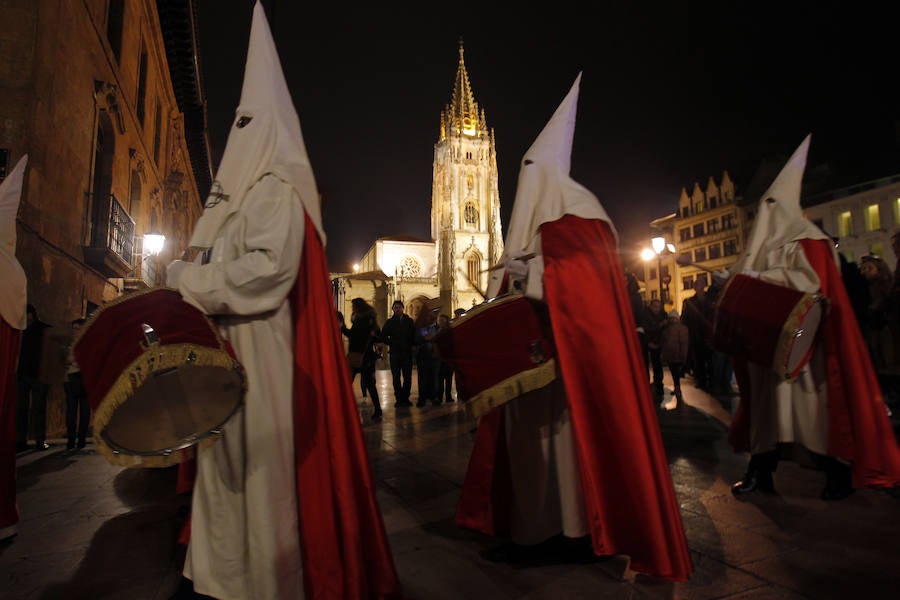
(715, 251)
(142, 87)
(652, 273)
(470, 214)
(729, 247)
(845, 224)
(684, 234)
(473, 268)
(873, 218)
(712, 225)
(698, 230)
(685, 212)
(698, 207)
(157, 132)
(684, 257)
(687, 282)
(728, 221)
(114, 18)
(699, 254)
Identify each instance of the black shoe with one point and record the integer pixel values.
(81, 444)
(377, 416)
(753, 481)
(41, 446)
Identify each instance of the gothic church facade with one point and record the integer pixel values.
(450, 270)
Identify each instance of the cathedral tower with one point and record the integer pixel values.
(465, 201)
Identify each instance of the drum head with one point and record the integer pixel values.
(803, 338)
(174, 409)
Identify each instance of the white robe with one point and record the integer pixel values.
(796, 410)
(244, 538)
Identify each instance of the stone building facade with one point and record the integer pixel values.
(708, 234)
(450, 270)
(105, 98)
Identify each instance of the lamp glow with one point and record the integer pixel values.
(659, 244)
(153, 243)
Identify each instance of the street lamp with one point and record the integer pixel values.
(660, 247)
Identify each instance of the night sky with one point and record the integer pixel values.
(670, 95)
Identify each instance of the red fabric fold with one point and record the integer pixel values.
(629, 497)
(344, 543)
(10, 340)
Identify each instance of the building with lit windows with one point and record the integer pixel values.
(707, 234)
(861, 216)
(449, 270)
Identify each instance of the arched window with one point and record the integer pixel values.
(470, 215)
(473, 268)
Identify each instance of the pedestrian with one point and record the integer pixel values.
(576, 468)
(674, 345)
(426, 327)
(13, 320)
(364, 337)
(698, 316)
(655, 320)
(832, 408)
(398, 332)
(283, 504)
(443, 370)
(78, 409)
(31, 409)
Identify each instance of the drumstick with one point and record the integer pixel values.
(524, 258)
(686, 262)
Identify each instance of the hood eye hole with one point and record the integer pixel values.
(243, 122)
(770, 200)
(528, 161)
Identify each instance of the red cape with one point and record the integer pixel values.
(10, 340)
(342, 536)
(345, 547)
(629, 498)
(858, 426)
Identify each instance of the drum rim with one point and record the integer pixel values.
(154, 359)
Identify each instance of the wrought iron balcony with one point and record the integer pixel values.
(112, 238)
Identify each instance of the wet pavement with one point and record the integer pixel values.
(92, 530)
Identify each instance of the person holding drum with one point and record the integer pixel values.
(832, 406)
(574, 467)
(283, 504)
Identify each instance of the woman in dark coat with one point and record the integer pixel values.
(363, 335)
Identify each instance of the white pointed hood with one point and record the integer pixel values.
(545, 192)
(14, 287)
(265, 139)
(779, 217)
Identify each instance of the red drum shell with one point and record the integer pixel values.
(499, 350)
(158, 376)
(767, 324)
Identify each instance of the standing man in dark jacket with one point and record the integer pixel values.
(32, 402)
(398, 333)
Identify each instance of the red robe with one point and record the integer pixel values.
(859, 430)
(629, 497)
(10, 339)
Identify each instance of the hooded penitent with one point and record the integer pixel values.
(629, 504)
(13, 292)
(287, 493)
(837, 393)
(13, 301)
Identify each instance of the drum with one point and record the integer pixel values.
(158, 376)
(767, 324)
(500, 350)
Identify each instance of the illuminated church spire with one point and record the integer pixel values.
(465, 202)
(462, 116)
